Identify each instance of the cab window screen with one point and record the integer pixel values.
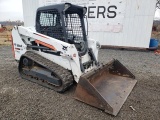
(49, 23)
(47, 19)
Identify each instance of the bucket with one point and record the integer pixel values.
(106, 88)
(153, 43)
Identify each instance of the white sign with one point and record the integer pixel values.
(103, 15)
(106, 15)
(76, 2)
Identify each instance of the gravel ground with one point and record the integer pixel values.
(20, 99)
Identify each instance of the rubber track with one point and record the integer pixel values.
(64, 74)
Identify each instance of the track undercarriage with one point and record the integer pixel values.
(38, 69)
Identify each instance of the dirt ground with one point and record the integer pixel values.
(20, 99)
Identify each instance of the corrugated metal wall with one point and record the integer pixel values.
(137, 23)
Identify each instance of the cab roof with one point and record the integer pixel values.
(61, 7)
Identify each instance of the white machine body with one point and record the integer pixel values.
(69, 59)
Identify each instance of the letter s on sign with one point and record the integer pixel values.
(111, 11)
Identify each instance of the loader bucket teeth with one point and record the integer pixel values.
(107, 87)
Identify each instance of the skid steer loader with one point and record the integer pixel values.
(57, 52)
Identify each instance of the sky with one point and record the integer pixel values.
(12, 10)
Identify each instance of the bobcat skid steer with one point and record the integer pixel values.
(57, 52)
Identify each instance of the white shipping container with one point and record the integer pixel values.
(112, 22)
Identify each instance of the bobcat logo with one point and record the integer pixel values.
(64, 48)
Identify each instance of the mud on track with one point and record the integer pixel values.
(20, 99)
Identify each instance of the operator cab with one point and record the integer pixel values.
(64, 22)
